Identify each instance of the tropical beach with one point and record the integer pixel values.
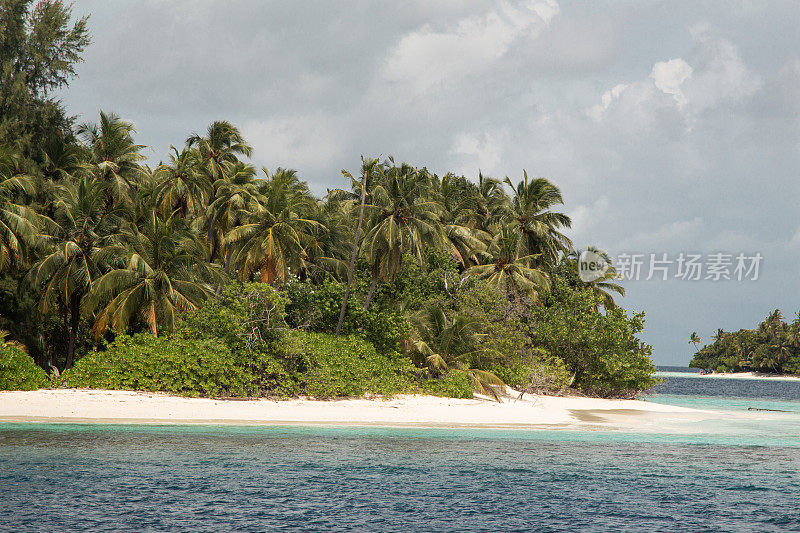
(526, 265)
(126, 407)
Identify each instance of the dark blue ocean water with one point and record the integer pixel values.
(58, 477)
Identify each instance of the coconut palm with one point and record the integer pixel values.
(222, 144)
(602, 287)
(494, 204)
(461, 204)
(403, 217)
(65, 274)
(156, 277)
(504, 268)
(532, 215)
(452, 345)
(180, 185)
(273, 242)
(694, 339)
(19, 224)
(113, 156)
(236, 200)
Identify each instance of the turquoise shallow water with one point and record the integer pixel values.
(718, 475)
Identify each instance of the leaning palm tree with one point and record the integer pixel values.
(695, 340)
(403, 217)
(504, 268)
(532, 216)
(63, 277)
(113, 157)
(156, 277)
(273, 242)
(19, 224)
(452, 345)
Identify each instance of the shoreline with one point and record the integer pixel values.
(730, 375)
(413, 411)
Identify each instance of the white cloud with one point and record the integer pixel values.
(713, 76)
(482, 151)
(679, 232)
(668, 77)
(586, 218)
(428, 57)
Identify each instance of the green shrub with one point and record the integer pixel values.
(190, 367)
(18, 371)
(244, 316)
(316, 308)
(347, 366)
(539, 372)
(454, 384)
(601, 350)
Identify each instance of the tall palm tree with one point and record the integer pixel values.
(403, 218)
(65, 274)
(156, 277)
(532, 216)
(367, 168)
(180, 185)
(462, 203)
(453, 344)
(113, 157)
(694, 339)
(222, 144)
(273, 243)
(504, 268)
(494, 204)
(19, 224)
(236, 201)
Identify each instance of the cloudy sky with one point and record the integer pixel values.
(670, 126)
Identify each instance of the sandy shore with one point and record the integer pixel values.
(730, 375)
(102, 406)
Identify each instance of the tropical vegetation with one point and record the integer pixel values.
(773, 347)
(203, 275)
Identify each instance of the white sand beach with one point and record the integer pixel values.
(104, 406)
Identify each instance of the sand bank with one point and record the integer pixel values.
(102, 406)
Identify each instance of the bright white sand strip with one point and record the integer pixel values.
(102, 406)
(726, 375)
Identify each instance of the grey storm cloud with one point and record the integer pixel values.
(670, 126)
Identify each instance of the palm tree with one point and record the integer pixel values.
(695, 340)
(603, 286)
(504, 268)
(403, 218)
(461, 204)
(156, 277)
(452, 344)
(532, 216)
(19, 224)
(273, 242)
(494, 204)
(113, 157)
(236, 200)
(66, 273)
(222, 144)
(367, 167)
(180, 184)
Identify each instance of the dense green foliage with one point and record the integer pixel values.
(773, 347)
(200, 275)
(189, 367)
(18, 371)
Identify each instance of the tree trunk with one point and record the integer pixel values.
(371, 290)
(75, 322)
(354, 255)
(268, 271)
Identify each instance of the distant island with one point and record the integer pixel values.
(773, 347)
